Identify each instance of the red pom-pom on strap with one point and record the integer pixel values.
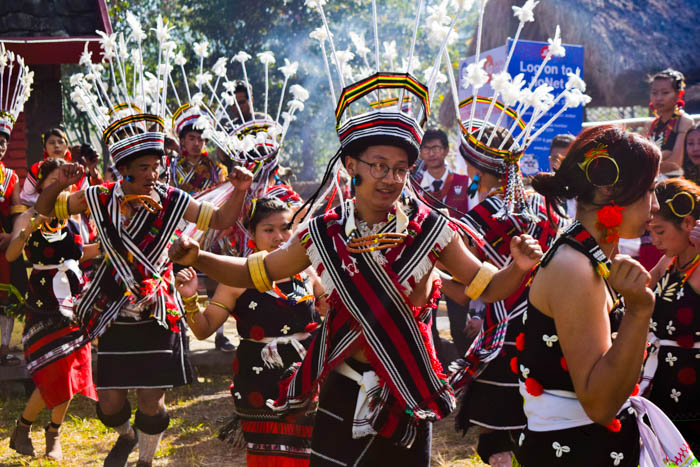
(520, 342)
(533, 387)
(615, 426)
(514, 365)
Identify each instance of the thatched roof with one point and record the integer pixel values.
(625, 40)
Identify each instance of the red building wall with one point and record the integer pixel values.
(16, 156)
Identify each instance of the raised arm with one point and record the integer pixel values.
(226, 215)
(69, 174)
(205, 323)
(282, 263)
(603, 372)
(24, 225)
(464, 266)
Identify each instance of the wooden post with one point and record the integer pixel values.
(43, 110)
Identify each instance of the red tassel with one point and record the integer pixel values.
(252, 245)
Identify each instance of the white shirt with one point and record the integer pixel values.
(427, 182)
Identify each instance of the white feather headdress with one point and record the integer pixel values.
(15, 86)
(379, 99)
(512, 97)
(129, 109)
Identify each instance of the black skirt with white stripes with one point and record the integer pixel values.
(142, 354)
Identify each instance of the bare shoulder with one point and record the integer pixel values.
(567, 277)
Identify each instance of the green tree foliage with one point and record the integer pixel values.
(283, 27)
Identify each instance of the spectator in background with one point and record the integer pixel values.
(451, 189)
(55, 143)
(672, 123)
(436, 177)
(557, 151)
(691, 155)
(86, 155)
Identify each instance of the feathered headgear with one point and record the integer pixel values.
(253, 139)
(15, 86)
(514, 135)
(130, 110)
(388, 105)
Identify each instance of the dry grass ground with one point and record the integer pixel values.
(191, 438)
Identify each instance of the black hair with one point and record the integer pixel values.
(186, 129)
(262, 209)
(563, 140)
(666, 190)
(53, 132)
(636, 156)
(435, 134)
(676, 77)
(241, 87)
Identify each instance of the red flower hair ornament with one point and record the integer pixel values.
(609, 219)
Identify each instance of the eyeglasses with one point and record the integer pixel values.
(379, 170)
(434, 148)
(683, 206)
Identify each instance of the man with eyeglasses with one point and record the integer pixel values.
(371, 365)
(436, 178)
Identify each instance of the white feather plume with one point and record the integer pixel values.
(525, 14)
(555, 47)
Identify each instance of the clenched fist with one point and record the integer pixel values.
(241, 178)
(184, 251)
(70, 174)
(526, 252)
(629, 278)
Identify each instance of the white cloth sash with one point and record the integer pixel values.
(661, 440)
(270, 354)
(369, 383)
(652, 362)
(61, 284)
(553, 410)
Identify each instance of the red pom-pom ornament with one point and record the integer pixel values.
(533, 387)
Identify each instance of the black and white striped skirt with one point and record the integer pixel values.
(142, 354)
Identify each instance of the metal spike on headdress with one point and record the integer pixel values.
(15, 86)
(516, 98)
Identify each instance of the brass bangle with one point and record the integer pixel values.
(206, 211)
(18, 208)
(192, 309)
(220, 305)
(192, 299)
(61, 206)
(257, 271)
(481, 280)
